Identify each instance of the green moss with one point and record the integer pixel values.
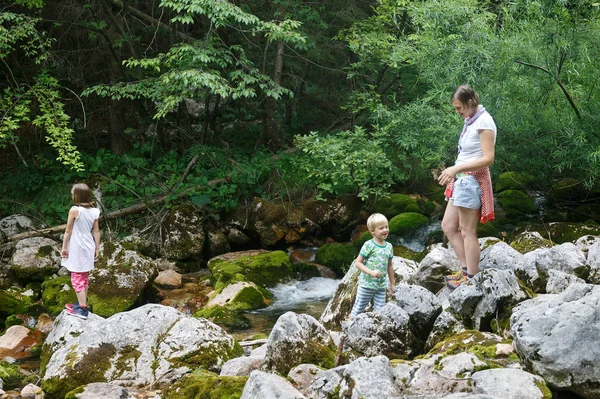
(546, 393)
(9, 373)
(306, 270)
(229, 319)
(56, 293)
(525, 244)
(337, 257)
(127, 358)
(91, 367)
(210, 356)
(73, 394)
(13, 320)
(516, 203)
(406, 223)
(471, 341)
(203, 384)
(107, 306)
(264, 269)
(407, 253)
(249, 298)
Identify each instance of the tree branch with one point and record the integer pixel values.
(560, 84)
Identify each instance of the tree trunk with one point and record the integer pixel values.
(271, 135)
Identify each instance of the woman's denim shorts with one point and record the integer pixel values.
(466, 192)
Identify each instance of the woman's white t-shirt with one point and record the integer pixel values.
(470, 144)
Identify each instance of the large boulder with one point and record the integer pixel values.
(99, 390)
(56, 292)
(206, 384)
(148, 345)
(486, 302)
(528, 241)
(35, 258)
(406, 223)
(269, 386)
(556, 337)
(368, 378)
(421, 305)
(15, 224)
(388, 332)
(510, 384)
(297, 339)
(184, 233)
(432, 269)
(501, 256)
(566, 258)
(119, 280)
(593, 261)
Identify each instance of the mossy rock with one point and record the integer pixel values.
(56, 293)
(13, 320)
(208, 356)
(91, 368)
(202, 384)
(516, 203)
(406, 223)
(10, 375)
(513, 181)
(12, 302)
(338, 257)
(561, 232)
(306, 270)
(265, 269)
(530, 241)
(250, 298)
(407, 253)
(227, 318)
(481, 344)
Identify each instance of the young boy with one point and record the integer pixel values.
(375, 263)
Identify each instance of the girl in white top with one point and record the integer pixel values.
(81, 244)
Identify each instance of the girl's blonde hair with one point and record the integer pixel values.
(375, 220)
(82, 194)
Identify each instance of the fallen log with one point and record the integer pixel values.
(121, 212)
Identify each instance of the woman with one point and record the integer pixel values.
(469, 185)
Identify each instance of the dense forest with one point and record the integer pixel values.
(215, 101)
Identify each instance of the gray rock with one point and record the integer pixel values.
(15, 224)
(502, 256)
(242, 366)
(263, 385)
(340, 305)
(184, 236)
(490, 293)
(303, 375)
(559, 281)
(149, 344)
(444, 326)
(297, 339)
(509, 384)
(35, 258)
(103, 390)
(593, 260)
(421, 305)
(565, 257)
(585, 242)
(556, 337)
(432, 269)
(388, 332)
(368, 378)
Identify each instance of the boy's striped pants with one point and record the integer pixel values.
(364, 296)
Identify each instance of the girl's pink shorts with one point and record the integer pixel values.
(79, 280)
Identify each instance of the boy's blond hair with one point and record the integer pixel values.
(375, 220)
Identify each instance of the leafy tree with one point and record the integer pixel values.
(36, 102)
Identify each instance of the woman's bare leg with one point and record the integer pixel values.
(468, 219)
(451, 227)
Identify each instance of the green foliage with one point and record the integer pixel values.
(38, 104)
(348, 162)
(203, 67)
(530, 60)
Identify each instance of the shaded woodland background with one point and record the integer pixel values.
(288, 99)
